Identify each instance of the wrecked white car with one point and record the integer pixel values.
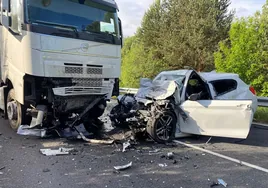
(185, 102)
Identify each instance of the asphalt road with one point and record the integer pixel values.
(22, 165)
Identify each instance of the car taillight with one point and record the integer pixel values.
(252, 90)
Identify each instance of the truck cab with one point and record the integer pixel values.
(58, 56)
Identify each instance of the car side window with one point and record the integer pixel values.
(196, 85)
(224, 86)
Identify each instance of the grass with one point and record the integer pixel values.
(261, 116)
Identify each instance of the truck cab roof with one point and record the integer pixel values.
(110, 3)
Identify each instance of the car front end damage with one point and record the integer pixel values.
(151, 112)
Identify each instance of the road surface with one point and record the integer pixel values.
(22, 165)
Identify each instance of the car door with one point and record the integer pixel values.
(222, 118)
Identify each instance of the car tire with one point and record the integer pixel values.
(162, 127)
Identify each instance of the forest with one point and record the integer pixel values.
(202, 34)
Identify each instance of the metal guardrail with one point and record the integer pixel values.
(128, 90)
(262, 101)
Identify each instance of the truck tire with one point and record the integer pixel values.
(162, 128)
(16, 112)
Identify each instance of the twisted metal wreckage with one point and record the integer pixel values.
(153, 112)
(162, 111)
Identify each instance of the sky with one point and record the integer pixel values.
(132, 11)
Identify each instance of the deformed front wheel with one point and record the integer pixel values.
(15, 111)
(163, 127)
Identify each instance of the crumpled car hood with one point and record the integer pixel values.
(158, 90)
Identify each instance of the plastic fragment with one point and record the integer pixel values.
(222, 182)
(125, 146)
(162, 165)
(123, 167)
(26, 130)
(170, 155)
(154, 151)
(60, 151)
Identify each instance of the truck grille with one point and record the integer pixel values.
(72, 91)
(87, 82)
(94, 70)
(74, 70)
(82, 91)
(79, 69)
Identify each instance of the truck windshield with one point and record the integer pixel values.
(84, 15)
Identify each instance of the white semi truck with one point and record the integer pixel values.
(60, 59)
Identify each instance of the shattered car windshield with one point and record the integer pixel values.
(179, 79)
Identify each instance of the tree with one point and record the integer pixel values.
(176, 33)
(194, 30)
(246, 53)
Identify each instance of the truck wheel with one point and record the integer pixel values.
(163, 127)
(15, 111)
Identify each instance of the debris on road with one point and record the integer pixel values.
(186, 157)
(222, 182)
(2, 168)
(162, 165)
(46, 170)
(94, 141)
(26, 130)
(154, 151)
(1, 173)
(214, 184)
(123, 167)
(125, 146)
(170, 155)
(60, 151)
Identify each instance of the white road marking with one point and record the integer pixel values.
(223, 156)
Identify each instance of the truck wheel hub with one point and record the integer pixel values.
(12, 110)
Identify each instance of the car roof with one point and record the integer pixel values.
(175, 72)
(211, 76)
(208, 76)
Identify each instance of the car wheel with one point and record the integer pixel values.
(163, 127)
(16, 112)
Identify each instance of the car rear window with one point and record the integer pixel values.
(224, 86)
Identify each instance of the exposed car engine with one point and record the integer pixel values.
(155, 118)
